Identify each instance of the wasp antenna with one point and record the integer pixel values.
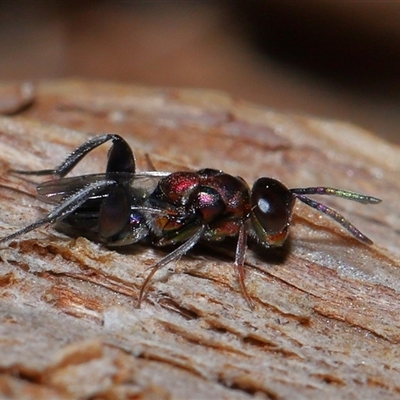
(330, 212)
(346, 194)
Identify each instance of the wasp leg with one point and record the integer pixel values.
(149, 163)
(120, 157)
(68, 206)
(173, 256)
(239, 263)
(122, 150)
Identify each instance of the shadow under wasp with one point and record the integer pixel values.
(121, 207)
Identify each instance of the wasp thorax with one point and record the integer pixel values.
(208, 203)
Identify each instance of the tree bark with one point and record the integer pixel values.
(326, 319)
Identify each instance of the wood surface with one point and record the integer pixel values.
(326, 322)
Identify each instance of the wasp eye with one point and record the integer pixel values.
(272, 204)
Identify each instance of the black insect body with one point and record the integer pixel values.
(121, 207)
(98, 205)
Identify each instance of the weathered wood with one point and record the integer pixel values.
(326, 322)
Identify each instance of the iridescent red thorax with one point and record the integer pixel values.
(206, 197)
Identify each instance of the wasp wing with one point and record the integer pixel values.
(57, 190)
(85, 220)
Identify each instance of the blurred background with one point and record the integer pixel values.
(331, 59)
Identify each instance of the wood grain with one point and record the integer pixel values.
(326, 322)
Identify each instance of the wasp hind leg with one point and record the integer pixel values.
(120, 157)
(66, 208)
